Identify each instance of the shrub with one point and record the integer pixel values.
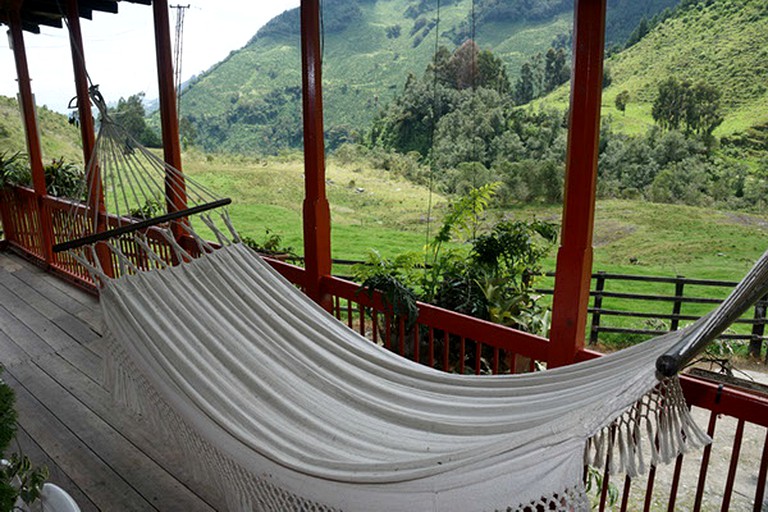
(64, 179)
(19, 479)
(14, 170)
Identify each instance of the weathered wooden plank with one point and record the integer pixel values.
(64, 320)
(22, 335)
(49, 332)
(39, 283)
(11, 264)
(87, 360)
(138, 432)
(10, 352)
(97, 479)
(56, 475)
(25, 269)
(144, 475)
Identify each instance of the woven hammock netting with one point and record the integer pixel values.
(280, 407)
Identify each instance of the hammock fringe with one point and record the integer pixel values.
(655, 430)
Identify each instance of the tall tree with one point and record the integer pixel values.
(621, 100)
(129, 114)
(669, 108)
(683, 105)
(524, 91)
(556, 69)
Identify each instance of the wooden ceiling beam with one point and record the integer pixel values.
(109, 6)
(42, 18)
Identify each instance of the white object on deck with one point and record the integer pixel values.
(56, 499)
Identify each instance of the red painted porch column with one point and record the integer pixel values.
(87, 129)
(574, 258)
(175, 189)
(317, 215)
(30, 127)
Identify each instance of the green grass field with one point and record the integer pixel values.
(373, 210)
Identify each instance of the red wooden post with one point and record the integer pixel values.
(175, 189)
(30, 127)
(96, 192)
(317, 215)
(574, 258)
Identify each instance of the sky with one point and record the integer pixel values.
(119, 48)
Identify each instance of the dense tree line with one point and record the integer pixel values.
(130, 114)
(462, 136)
(541, 74)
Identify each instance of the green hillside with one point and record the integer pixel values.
(250, 102)
(58, 137)
(719, 42)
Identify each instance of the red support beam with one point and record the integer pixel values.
(574, 258)
(317, 215)
(81, 80)
(87, 134)
(29, 118)
(175, 189)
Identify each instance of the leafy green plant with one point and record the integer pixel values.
(594, 484)
(20, 480)
(152, 207)
(14, 169)
(64, 179)
(272, 243)
(490, 276)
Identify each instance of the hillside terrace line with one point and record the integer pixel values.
(51, 341)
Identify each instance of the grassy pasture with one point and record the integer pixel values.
(374, 210)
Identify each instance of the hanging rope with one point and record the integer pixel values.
(433, 129)
(178, 53)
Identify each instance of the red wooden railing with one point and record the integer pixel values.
(728, 475)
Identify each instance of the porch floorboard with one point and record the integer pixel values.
(106, 457)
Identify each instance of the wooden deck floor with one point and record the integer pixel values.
(51, 346)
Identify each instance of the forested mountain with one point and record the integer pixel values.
(721, 43)
(250, 102)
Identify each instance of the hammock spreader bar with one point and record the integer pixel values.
(130, 228)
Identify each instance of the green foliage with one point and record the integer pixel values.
(339, 14)
(370, 47)
(541, 74)
(594, 485)
(14, 169)
(621, 101)
(19, 479)
(273, 119)
(640, 31)
(396, 279)
(64, 179)
(7, 416)
(59, 138)
(130, 115)
(490, 277)
(469, 67)
(524, 87)
(720, 43)
(187, 132)
(694, 107)
(271, 244)
(151, 208)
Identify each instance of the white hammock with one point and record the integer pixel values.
(297, 412)
(286, 409)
